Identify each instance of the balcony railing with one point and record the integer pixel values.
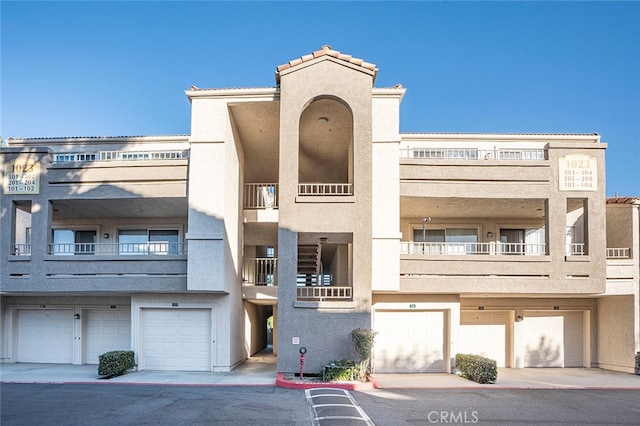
(618, 253)
(473, 154)
(21, 250)
(150, 248)
(260, 271)
(321, 293)
(67, 157)
(325, 189)
(493, 248)
(261, 196)
(576, 249)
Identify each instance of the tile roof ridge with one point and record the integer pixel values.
(326, 50)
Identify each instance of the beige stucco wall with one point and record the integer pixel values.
(385, 191)
(617, 333)
(351, 214)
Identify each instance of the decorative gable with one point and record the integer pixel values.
(327, 53)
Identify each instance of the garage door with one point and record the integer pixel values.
(45, 335)
(409, 341)
(105, 330)
(552, 339)
(484, 333)
(177, 339)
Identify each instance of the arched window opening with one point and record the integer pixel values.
(325, 149)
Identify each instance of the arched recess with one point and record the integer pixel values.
(325, 143)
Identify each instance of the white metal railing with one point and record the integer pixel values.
(325, 189)
(492, 248)
(21, 250)
(65, 157)
(618, 253)
(576, 249)
(324, 293)
(260, 195)
(107, 249)
(260, 271)
(473, 153)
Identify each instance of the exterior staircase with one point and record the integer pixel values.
(309, 264)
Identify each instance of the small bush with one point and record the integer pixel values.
(342, 370)
(477, 368)
(638, 363)
(115, 363)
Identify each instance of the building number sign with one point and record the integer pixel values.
(578, 173)
(21, 177)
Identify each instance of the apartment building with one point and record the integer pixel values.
(298, 213)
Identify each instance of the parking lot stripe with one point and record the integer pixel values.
(314, 398)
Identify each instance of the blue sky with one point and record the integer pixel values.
(121, 68)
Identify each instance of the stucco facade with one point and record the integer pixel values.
(303, 207)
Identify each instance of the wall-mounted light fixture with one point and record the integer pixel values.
(489, 235)
(323, 240)
(519, 318)
(105, 235)
(76, 316)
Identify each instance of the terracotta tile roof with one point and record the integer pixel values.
(623, 200)
(326, 50)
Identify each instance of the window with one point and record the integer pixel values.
(522, 241)
(446, 241)
(148, 241)
(73, 242)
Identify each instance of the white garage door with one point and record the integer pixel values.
(409, 341)
(552, 339)
(104, 331)
(45, 335)
(484, 333)
(177, 339)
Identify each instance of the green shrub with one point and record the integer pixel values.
(342, 370)
(638, 363)
(477, 368)
(115, 363)
(362, 340)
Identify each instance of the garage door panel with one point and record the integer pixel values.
(409, 341)
(177, 339)
(45, 336)
(106, 330)
(485, 334)
(553, 340)
(487, 340)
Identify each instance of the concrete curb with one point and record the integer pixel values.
(297, 384)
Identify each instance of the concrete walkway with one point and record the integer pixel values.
(518, 378)
(260, 370)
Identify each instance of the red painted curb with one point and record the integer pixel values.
(294, 384)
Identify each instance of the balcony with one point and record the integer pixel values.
(473, 154)
(149, 248)
(261, 196)
(68, 157)
(323, 293)
(492, 248)
(325, 189)
(21, 250)
(576, 249)
(261, 271)
(618, 253)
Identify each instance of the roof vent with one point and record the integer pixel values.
(326, 47)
